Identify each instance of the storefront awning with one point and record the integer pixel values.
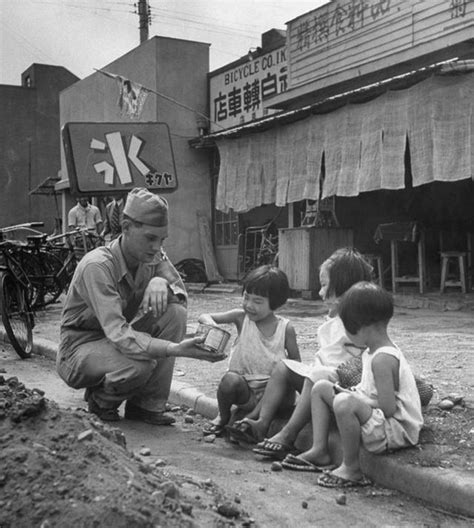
(363, 147)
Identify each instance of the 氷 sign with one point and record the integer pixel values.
(103, 158)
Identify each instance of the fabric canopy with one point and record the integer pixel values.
(363, 147)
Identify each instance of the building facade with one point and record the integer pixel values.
(30, 144)
(373, 128)
(173, 74)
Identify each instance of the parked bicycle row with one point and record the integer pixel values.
(35, 268)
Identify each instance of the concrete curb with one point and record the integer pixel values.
(446, 489)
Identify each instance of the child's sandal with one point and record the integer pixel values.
(214, 429)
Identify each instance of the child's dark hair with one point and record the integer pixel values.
(364, 304)
(268, 281)
(345, 267)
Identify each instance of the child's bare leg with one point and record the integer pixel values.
(299, 418)
(281, 385)
(302, 412)
(322, 396)
(232, 390)
(351, 412)
(254, 413)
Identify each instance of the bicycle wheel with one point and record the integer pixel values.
(16, 315)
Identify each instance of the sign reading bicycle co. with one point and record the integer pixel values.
(103, 158)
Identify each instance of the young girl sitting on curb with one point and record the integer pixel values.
(263, 339)
(337, 274)
(382, 412)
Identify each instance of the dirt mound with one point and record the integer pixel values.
(63, 468)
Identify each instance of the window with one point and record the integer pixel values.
(226, 228)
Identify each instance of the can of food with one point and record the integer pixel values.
(216, 338)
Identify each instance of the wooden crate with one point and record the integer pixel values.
(303, 249)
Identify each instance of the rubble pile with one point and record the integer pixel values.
(63, 468)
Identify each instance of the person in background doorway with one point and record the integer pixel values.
(113, 218)
(85, 215)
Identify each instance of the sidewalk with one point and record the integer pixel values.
(448, 489)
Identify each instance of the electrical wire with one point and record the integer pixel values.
(201, 25)
(186, 17)
(34, 50)
(84, 7)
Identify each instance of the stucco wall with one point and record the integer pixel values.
(177, 69)
(29, 144)
(17, 118)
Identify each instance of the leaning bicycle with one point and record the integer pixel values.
(50, 261)
(15, 291)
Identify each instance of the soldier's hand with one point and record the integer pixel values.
(155, 297)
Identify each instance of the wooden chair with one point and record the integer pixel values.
(320, 213)
(407, 234)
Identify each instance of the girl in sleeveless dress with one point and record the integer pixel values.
(263, 339)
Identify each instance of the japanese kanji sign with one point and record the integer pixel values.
(344, 39)
(238, 93)
(103, 158)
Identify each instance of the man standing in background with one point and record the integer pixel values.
(85, 215)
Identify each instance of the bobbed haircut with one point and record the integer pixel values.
(345, 267)
(364, 304)
(268, 281)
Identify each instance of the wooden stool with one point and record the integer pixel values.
(446, 258)
(420, 277)
(375, 261)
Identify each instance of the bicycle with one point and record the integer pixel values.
(33, 274)
(15, 291)
(50, 264)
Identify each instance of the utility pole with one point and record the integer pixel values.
(144, 19)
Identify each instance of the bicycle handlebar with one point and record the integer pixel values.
(20, 226)
(12, 243)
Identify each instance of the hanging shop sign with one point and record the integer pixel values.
(103, 158)
(345, 39)
(238, 93)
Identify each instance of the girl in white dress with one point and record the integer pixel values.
(263, 339)
(382, 412)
